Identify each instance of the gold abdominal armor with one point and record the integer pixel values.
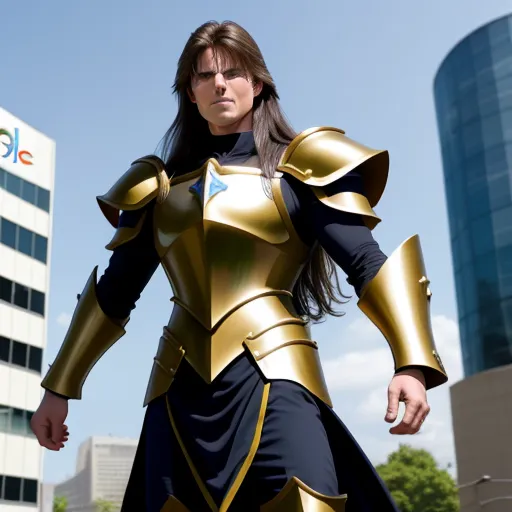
(232, 259)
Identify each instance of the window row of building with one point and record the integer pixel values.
(15, 421)
(23, 240)
(20, 354)
(22, 296)
(13, 488)
(33, 194)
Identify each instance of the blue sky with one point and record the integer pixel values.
(96, 77)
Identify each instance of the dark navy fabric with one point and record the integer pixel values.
(301, 437)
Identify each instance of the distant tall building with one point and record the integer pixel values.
(27, 162)
(102, 471)
(473, 96)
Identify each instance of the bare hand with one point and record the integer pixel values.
(47, 423)
(407, 386)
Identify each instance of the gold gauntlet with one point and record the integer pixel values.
(397, 301)
(89, 336)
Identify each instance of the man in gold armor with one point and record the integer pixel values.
(248, 220)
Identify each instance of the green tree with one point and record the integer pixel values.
(60, 504)
(105, 506)
(416, 482)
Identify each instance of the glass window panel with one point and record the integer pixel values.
(25, 241)
(35, 359)
(18, 422)
(29, 490)
(506, 119)
(469, 110)
(472, 136)
(13, 184)
(469, 290)
(482, 236)
(12, 488)
(8, 233)
(40, 248)
(478, 197)
(495, 161)
(499, 191)
(5, 418)
(20, 296)
(5, 289)
(28, 192)
(5, 346)
(492, 133)
(19, 353)
(43, 199)
(502, 223)
(505, 96)
(2, 178)
(28, 418)
(486, 272)
(37, 302)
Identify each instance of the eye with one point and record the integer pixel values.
(230, 74)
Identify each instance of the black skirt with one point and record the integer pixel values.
(239, 440)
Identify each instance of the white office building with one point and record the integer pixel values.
(102, 471)
(27, 162)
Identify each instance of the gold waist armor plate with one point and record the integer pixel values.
(232, 258)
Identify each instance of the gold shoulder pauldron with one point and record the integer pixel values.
(144, 180)
(135, 189)
(320, 156)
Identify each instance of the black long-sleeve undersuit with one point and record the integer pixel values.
(344, 236)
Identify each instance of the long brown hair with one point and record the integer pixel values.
(317, 286)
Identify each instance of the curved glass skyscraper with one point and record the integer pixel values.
(473, 97)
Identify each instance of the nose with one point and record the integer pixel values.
(220, 82)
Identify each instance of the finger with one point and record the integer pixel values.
(42, 433)
(412, 408)
(57, 432)
(420, 417)
(411, 421)
(393, 402)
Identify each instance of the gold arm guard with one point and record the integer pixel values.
(397, 301)
(320, 156)
(89, 336)
(145, 180)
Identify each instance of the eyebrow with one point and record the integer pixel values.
(211, 71)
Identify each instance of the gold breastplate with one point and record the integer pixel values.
(232, 258)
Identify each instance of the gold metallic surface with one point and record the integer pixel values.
(232, 259)
(174, 505)
(230, 495)
(397, 301)
(125, 234)
(296, 496)
(267, 327)
(89, 336)
(134, 190)
(320, 156)
(350, 202)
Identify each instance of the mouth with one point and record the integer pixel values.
(221, 101)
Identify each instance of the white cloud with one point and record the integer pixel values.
(366, 369)
(64, 319)
(359, 370)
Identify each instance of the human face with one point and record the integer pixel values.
(224, 94)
